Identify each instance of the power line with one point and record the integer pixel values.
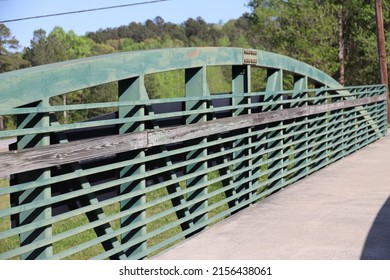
(85, 11)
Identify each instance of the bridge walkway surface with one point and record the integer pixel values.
(340, 212)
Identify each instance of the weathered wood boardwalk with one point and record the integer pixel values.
(340, 212)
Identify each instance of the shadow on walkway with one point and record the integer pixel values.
(377, 245)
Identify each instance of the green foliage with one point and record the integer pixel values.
(9, 61)
(309, 31)
(57, 46)
(98, 94)
(7, 41)
(361, 41)
(302, 29)
(219, 79)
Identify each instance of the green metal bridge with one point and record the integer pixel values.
(130, 184)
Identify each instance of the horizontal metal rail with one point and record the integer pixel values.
(59, 154)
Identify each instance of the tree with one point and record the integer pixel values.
(303, 29)
(340, 21)
(6, 40)
(200, 33)
(360, 40)
(336, 36)
(9, 61)
(236, 32)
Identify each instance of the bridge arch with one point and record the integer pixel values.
(28, 85)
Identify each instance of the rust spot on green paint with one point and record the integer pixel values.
(193, 54)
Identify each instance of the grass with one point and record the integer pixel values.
(216, 198)
(81, 237)
(166, 220)
(77, 239)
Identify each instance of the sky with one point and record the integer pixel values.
(175, 11)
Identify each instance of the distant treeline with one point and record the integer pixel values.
(336, 36)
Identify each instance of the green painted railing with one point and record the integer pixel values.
(131, 183)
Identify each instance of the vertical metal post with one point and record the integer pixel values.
(358, 128)
(300, 92)
(196, 86)
(36, 194)
(321, 127)
(352, 115)
(274, 86)
(132, 90)
(337, 119)
(382, 51)
(240, 85)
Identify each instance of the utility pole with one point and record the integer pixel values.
(380, 32)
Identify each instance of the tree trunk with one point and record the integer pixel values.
(340, 17)
(1, 123)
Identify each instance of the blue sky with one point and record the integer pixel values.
(176, 11)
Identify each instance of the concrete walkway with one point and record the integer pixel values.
(4, 144)
(340, 212)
